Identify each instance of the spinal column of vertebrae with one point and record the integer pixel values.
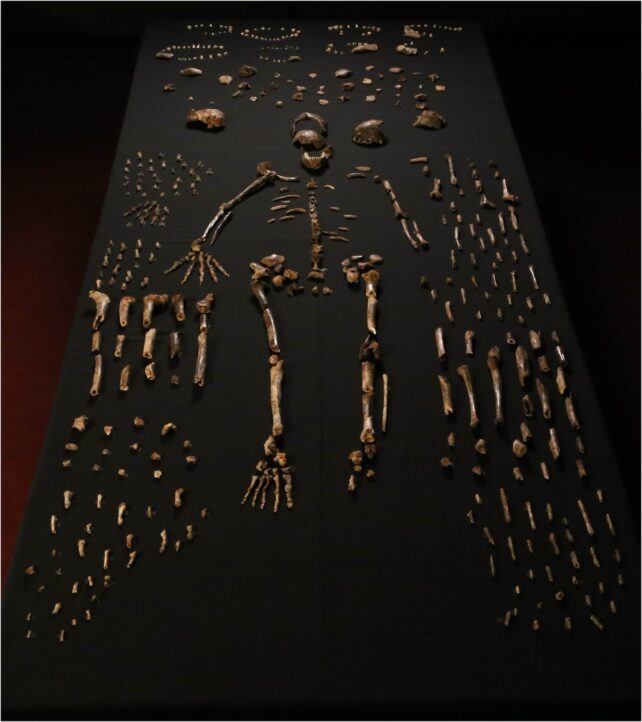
(355, 269)
(273, 467)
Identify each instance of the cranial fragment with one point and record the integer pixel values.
(368, 133)
(212, 118)
(429, 119)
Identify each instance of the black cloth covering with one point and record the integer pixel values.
(381, 601)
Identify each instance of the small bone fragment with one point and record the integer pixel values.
(124, 378)
(553, 542)
(523, 366)
(102, 302)
(511, 548)
(553, 444)
(505, 506)
(175, 344)
(148, 345)
(465, 374)
(469, 337)
(122, 508)
(439, 340)
(163, 544)
(519, 448)
(488, 536)
(570, 412)
(527, 405)
(446, 396)
(120, 341)
(531, 517)
(170, 426)
(98, 374)
(95, 342)
(544, 399)
(178, 497)
(384, 413)
(150, 371)
(587, 522)
(131, 559)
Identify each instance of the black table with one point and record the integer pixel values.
(381, 600)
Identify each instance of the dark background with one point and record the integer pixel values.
(569, 72)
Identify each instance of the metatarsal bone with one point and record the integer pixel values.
(201, 359)
(98, 374)
(123, 309)
(446, 396)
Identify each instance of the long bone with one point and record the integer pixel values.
(102, 302)
(276, 380)
(466, 376)
(492, 361)
(371, 279)
(204, 308)
(258, 289)
(206, 261)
